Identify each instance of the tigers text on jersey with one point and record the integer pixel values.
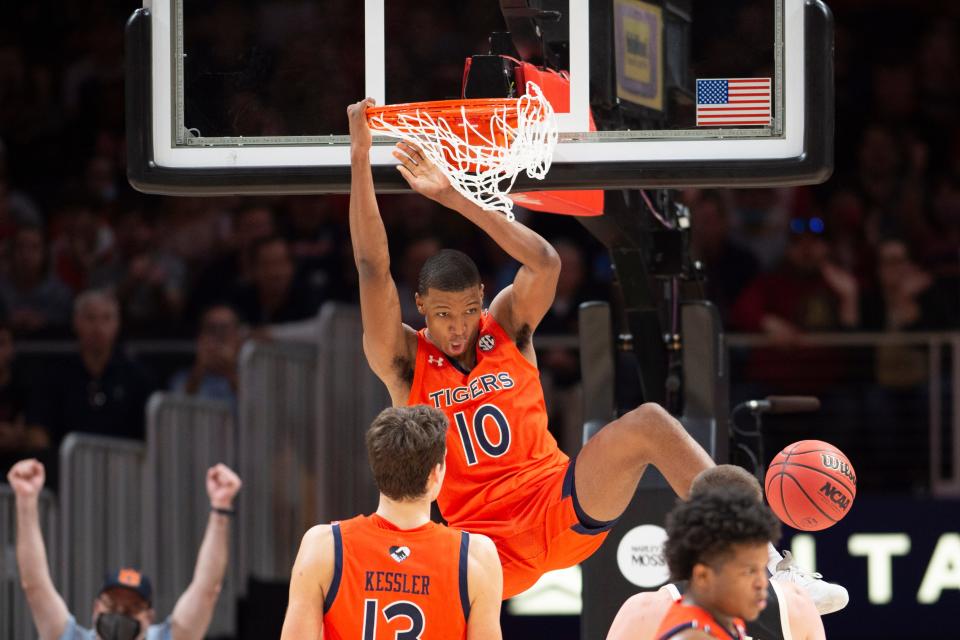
(498, 439)
(396, 584)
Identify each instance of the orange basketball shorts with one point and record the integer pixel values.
(539, 528)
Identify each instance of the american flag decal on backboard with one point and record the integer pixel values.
(733, 101)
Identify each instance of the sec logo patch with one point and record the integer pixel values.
(486, 342)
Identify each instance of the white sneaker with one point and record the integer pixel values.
(827, 597)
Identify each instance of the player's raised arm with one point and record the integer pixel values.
(521, 306)
(384, 336)
(485, 586)
(311, 575)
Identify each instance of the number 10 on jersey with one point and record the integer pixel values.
(474, 431)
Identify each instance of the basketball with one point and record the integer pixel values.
(810, 485)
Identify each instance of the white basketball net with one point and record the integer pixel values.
(485, 168)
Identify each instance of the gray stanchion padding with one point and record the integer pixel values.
(15, 618)
(101, 507)
(304, 409)
(279, 456)
(185, 437)
(631, 558)
(350, 397)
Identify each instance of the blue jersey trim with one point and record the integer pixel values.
(464, 588)
(337, 567)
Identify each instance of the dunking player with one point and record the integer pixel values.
(396, 574)
(789, 615)
(507, 477)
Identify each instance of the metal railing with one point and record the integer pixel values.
(101, 506)
(298, 445)
(280, 459)
(185, 437)
(304, 408)
(350, 397)
(942, 355)
(15, 617)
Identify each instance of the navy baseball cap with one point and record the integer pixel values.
(129, 578)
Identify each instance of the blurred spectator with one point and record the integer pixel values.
(808, 292)
(195, 229)
(890, 181)
(28, 100)
(728, 268)
(214, 372)
(759, 220)
(102, 179)
(252, 223)
(408, 274)
(905, 298)
(84, 243)
(149, 281)
(849, 245)
(314, 236)
(124, 605)
(18, 439)
(939, 247)
(822, 296)
(938, 58)
(560, 367)
(36, 301)
(572, 289)
(274, 294)
(98, 390)
(16, 208)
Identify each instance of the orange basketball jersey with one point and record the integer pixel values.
(498, 440)
(681, 617)
(390, 583)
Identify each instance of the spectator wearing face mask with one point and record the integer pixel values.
(123, 609)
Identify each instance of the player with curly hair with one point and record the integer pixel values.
(718, 544)
(790, 613)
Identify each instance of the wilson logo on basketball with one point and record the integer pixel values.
(835, 463)
(835, 495)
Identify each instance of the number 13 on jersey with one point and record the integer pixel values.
(474, 434)
(404, 609)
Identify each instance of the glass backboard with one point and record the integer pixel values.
(250, 97)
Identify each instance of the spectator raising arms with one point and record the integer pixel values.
(123, 609)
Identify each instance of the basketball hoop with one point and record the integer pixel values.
(479, 143)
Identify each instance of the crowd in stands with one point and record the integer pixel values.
(85, 258)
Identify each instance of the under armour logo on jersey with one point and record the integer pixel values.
(399, 553)
(437, 361)
(486, 342)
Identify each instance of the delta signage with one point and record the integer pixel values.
(900, 561)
